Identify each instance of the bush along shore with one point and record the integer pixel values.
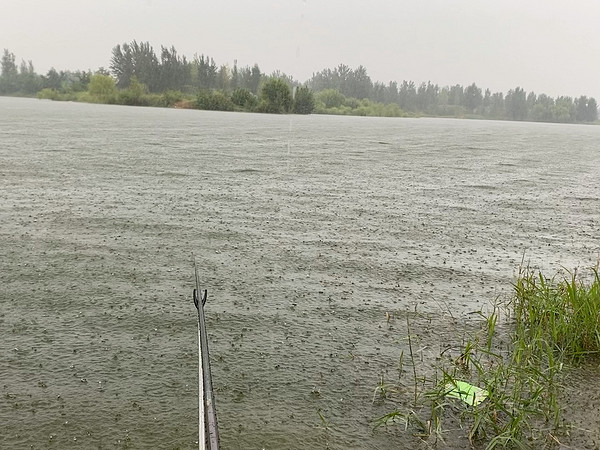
(139, 76)
(275, 96)
(504, 385)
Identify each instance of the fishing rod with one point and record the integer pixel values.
(208, 430)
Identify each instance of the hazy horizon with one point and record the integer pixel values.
(542, 46)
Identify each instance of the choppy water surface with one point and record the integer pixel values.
(307, 230)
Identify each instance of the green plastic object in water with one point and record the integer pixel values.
(466, 392)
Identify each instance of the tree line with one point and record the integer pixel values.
(139, 75)
(454, 101)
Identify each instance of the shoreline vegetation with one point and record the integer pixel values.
(139, 77)
(520, 360)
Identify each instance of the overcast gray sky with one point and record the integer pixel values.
(548, 46)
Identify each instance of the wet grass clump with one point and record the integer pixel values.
(520, 363)
(564, 315)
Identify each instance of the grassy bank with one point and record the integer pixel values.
(123, 97)
(520, 358)
(240, 100)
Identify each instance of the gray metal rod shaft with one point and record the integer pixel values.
(207, 412)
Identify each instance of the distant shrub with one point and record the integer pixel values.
(354, 107)
(49, 94)
(103, 89)
(275, 96)
(155, 100)
(244, 99)
(353, 103)
(170, 97)
(214, 101)
(304, 101)
(134, 95)
(84, 97)
(331, 98)
(54, 94)
(451, 110)
(393, 110)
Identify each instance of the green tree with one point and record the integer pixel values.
(8, 73)
(497, 105)
(531, 102)
(407, 96)
(203, 72)
(304, 100)
(174, 71)
(543, 110)
(359, 84)
(427, 97)
(580, 108)
(276, 96)
(472, 98)
(121, 65)
(224, 78)
(29, 81)
(103, 88)
(136, 59)
(254, 79)
(516, 104)
(323, 80)
(564, 109)
(379, 92)
(81, 80)
(586, 110)
(456, 95)
(486, 103)
(235, 76)
(592, 113)
(52, 79)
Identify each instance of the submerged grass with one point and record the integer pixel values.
(554, 325)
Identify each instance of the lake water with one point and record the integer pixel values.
(307, 231)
